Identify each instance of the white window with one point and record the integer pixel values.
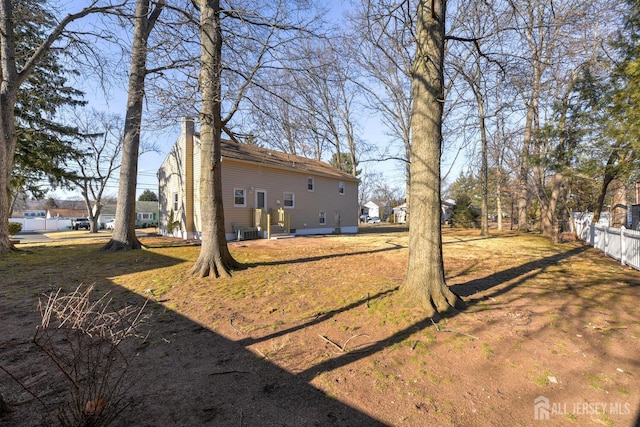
(310, 184)
(341, 187)
(175, 202)
(322, 219)
(145, 216)
(289, 199)
(239, 198)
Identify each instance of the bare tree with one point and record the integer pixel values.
(478, 62)
(101, 144)
(548, 37)
(215, 258)
(425, 281)
(385, 56)
(257, 44)
(124, 234)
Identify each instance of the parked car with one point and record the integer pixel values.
(110, 225)
(78, 223)
(374, 220)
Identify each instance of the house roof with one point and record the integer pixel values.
(146, 206)
(377, 203)
(141, 207)
(264, 156)
(67, 213)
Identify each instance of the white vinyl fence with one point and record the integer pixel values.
(41, 224)
(619, 243)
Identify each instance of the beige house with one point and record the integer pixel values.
(265, 192)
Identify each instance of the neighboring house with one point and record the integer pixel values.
(29, 213)
(378, 208)
(35, 214)
(447, 210)
(263, 190)
(107, 213)
(146, 214)
(400, 214)
(66, 213)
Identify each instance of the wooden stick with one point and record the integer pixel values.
(451, 330)
(331, 342)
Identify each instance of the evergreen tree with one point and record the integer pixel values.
(343, 162)
(43, 144)
(148, 196)
(607, 111)
(464, 214)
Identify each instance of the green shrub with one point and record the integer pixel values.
(172, 224)
(14, 228)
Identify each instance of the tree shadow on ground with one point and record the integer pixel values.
(392, 247)
(193, 376)
(524, 272)
(318, 318)
(188, 374)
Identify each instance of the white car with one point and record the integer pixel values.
(374, 220)
(110, 225)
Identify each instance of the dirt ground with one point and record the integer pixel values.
(314, 333)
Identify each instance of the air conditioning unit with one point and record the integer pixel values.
(247, 233)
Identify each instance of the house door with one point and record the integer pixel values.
(338, 217)
(261, 199)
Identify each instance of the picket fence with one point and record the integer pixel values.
(621, 244)
(41, 224)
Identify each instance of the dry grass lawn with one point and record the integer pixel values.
(313, 332)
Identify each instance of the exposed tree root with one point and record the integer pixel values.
(446, 302)
(116, 245)
(205, 267)
(9, 247)
(435, 301)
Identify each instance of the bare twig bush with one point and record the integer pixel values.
(83, 339)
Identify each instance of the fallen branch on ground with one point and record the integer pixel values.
(342, 348)
(238, 331)
(452, 331)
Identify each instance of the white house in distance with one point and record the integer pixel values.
(377, 208)
(146, 214)
(264, 192)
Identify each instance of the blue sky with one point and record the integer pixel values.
(115, 103)
(149, 162)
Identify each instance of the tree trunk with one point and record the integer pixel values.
(619, 205)
(523, 175)
(8, 137)
(550, 219)
(499, 203)
(93, 216)
(484, 169)
(609, 176)
(215, 258)
(407, 174)
(425, 281)
(124, 234)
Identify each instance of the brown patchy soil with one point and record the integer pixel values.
(314, 333)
